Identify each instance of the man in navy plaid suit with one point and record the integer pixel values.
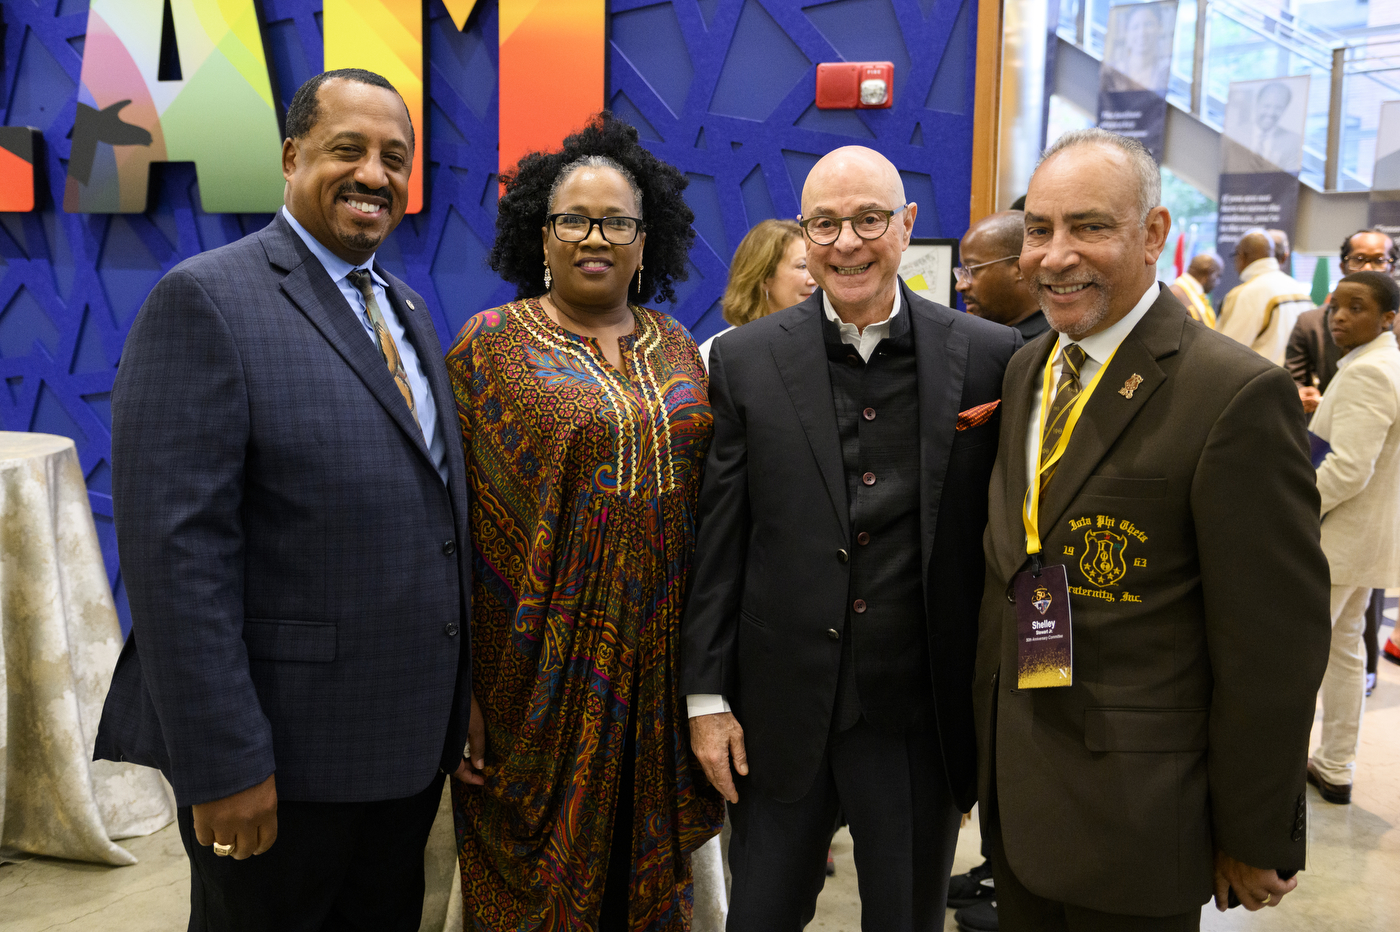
(291, 512)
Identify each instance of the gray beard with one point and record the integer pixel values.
(1070, 327)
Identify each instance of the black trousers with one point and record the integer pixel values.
(893, 791)
(1375, 614)
(1020, 910)
(334, 866)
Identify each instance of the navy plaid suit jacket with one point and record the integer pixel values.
(298, 573)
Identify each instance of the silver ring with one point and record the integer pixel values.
(223, 851)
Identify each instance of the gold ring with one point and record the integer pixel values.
(1267, 897)
(223, 851)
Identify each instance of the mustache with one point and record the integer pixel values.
(354, 187)
(1045, 279)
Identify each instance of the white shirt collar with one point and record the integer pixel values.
(835, 318)
(336, 267)
(1259, 267)
(1102, 345)
(865, 340)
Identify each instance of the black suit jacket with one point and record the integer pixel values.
(771, 583)
(297, 570)
(1186, 517)
(1312, 355)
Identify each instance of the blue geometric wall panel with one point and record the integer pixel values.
(722, 89)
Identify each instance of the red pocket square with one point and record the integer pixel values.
(976, 417)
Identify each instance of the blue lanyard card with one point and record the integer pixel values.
(1044, 639)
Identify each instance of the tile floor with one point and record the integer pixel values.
(1350, 884)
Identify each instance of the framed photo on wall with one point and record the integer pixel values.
(927, 268)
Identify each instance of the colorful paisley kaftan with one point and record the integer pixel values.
(584, 487)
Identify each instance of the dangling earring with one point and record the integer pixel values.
(548, 279)
(639, 278)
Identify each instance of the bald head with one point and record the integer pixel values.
(849, 168)
(1282, 248)
(990, 279)
(1253, 246)
(1002, 231)
(1205, 268)
(861, 190)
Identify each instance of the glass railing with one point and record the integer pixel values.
(1257, 39)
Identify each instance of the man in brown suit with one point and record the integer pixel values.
(1183, 514)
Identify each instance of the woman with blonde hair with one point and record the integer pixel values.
(769, 273)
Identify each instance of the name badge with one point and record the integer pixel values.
(1044, 638)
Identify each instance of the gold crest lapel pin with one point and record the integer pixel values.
(1130, 386)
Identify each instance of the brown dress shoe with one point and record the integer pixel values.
(1339, 793)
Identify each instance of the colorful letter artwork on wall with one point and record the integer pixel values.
(219, 115)
(187, 81)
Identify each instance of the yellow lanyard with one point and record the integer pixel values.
(1030, 507)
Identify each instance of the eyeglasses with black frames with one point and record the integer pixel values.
(868, 224)
(1360, 263)
(575, 228)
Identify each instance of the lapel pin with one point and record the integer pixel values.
(410, 304)
(1130, 386)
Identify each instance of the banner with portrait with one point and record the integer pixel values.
(1383, 212)
(1261, 154)
(1136, 70)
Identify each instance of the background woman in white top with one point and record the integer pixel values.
(769, 273)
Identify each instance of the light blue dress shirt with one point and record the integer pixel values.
(339, 270)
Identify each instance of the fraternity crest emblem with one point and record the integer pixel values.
(1130, 386)
(1042, 599)
(1103, 563)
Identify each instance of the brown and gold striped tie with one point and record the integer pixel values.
(1066, 391)
(360, 278)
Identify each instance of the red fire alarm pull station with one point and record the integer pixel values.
(855, 85)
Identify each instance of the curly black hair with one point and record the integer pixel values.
(518, 255)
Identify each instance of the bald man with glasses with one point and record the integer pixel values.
(989, 278)
(827, 647)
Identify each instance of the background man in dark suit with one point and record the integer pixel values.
(1311, 356)
(289, 496)
(989, 274)
(827, 644)
(1184, 513)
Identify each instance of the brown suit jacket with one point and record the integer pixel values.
(1196, 665)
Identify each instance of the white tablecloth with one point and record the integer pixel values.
(59, 641)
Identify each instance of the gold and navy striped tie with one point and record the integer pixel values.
(360, 278)
(1066, 391)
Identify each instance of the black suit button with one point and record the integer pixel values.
(832, 634)
(859, 606)
(853, 358)
(451, 629)
(1297, 836)
(843, 556)
(868, 414)
(868, 478)
(449, 547)
(863, 538)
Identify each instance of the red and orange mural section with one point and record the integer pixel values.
(17, 168)
(552, 72)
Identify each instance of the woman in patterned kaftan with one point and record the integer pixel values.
(586, 422)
